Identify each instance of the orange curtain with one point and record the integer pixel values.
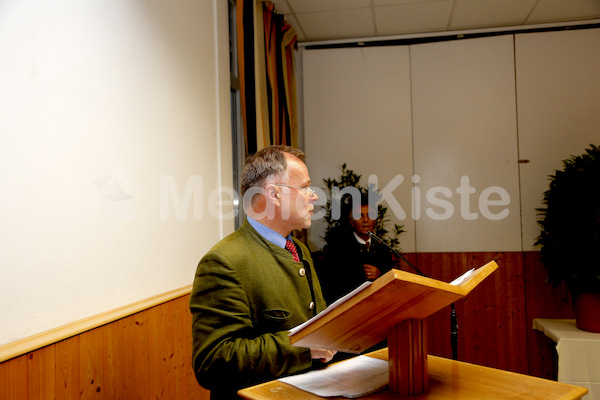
(280, 41)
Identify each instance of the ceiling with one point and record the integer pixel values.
(342, 20)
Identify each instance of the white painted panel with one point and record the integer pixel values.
(465, 129)
(101, 102)
(357, 111)
(558, 84)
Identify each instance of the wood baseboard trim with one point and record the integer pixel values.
(42, 339)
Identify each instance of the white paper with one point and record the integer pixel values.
(463, 277)
(331, 307)
(351, 378)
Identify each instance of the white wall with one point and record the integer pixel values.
(558, 83)
(357, 111)
(473, 108)
(108, 109)
(465, 141)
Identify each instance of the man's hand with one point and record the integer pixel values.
(371, 272)
(322, 354)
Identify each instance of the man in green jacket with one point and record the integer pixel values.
(249, 289)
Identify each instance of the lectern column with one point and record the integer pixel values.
(407, 346)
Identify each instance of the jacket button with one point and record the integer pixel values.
(302, 271)
(311, 305)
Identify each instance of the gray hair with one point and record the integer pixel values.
(267, 162)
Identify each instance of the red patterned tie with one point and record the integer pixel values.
(289, 245)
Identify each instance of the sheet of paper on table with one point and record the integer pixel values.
(351, 378)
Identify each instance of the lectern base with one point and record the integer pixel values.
(407, 344)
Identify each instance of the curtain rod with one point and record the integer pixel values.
(447, 35)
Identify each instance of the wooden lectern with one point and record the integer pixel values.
(392, 307)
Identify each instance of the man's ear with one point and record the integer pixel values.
(272, 195)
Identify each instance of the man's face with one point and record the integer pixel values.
(364, 224)
(297, 204)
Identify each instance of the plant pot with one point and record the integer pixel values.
(587, 311)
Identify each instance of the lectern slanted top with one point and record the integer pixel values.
(366, 318)
(392, 307)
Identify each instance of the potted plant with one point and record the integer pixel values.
(570, 236)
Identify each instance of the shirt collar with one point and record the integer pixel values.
(360, 240)
(274, 237)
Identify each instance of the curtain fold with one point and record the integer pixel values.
(280, 44)
(246, 71)
(266, 47)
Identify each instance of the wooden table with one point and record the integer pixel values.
(448, 379)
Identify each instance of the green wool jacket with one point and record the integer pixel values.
(247, 294)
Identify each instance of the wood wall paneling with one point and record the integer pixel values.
(495, 320)
(543, 300)
(142, 356)
(67, 368)
(148, 354)
(491, 319)
(13, 378)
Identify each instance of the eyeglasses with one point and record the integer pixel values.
(310, 192)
